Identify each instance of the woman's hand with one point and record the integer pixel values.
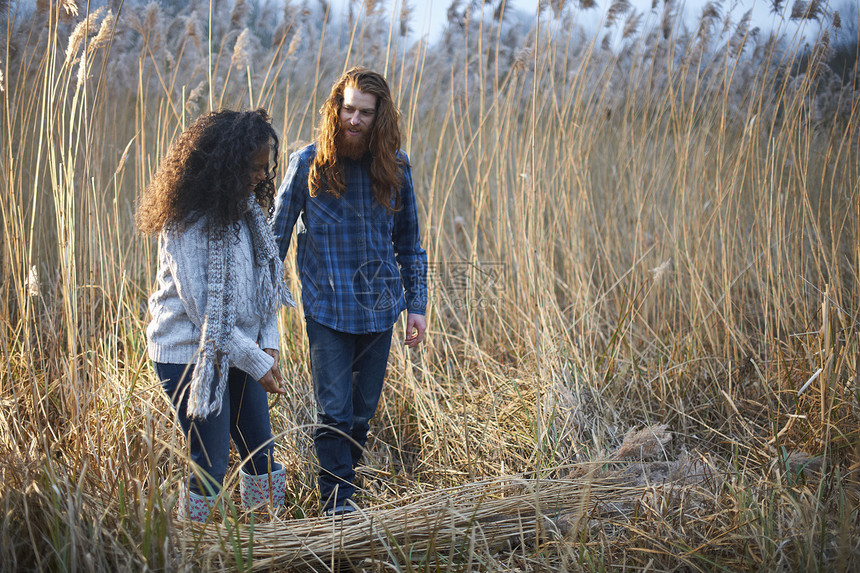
(273, 382)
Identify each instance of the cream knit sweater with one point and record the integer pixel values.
(179, 303)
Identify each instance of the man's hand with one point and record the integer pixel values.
(273, 382)
(415, 327)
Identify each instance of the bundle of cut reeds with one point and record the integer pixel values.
(479, 519)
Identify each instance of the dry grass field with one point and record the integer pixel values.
(643, 330)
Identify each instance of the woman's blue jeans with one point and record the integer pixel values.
(347, 370)
(244, 417)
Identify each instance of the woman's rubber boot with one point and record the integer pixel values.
(257, 490)
(193, 506)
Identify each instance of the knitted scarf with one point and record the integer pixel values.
(209, 378)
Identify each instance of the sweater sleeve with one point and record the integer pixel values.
(269, 335)
(247, 356)
(188, 259)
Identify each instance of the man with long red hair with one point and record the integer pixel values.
(361, 264)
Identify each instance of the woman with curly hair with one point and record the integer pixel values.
(213, 337)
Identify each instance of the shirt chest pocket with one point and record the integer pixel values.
(323, 212)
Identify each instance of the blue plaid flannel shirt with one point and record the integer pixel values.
(359, 265)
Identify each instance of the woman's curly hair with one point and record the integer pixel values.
(386, 168)
(207, 171)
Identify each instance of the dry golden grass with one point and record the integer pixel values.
(643, 336)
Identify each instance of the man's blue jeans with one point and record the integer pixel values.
(244, 417)
(347, 370)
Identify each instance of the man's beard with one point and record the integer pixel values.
(352, 147)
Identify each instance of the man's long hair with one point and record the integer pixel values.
(207, 171)
(386, 168)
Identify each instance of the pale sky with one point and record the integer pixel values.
(429, 16)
